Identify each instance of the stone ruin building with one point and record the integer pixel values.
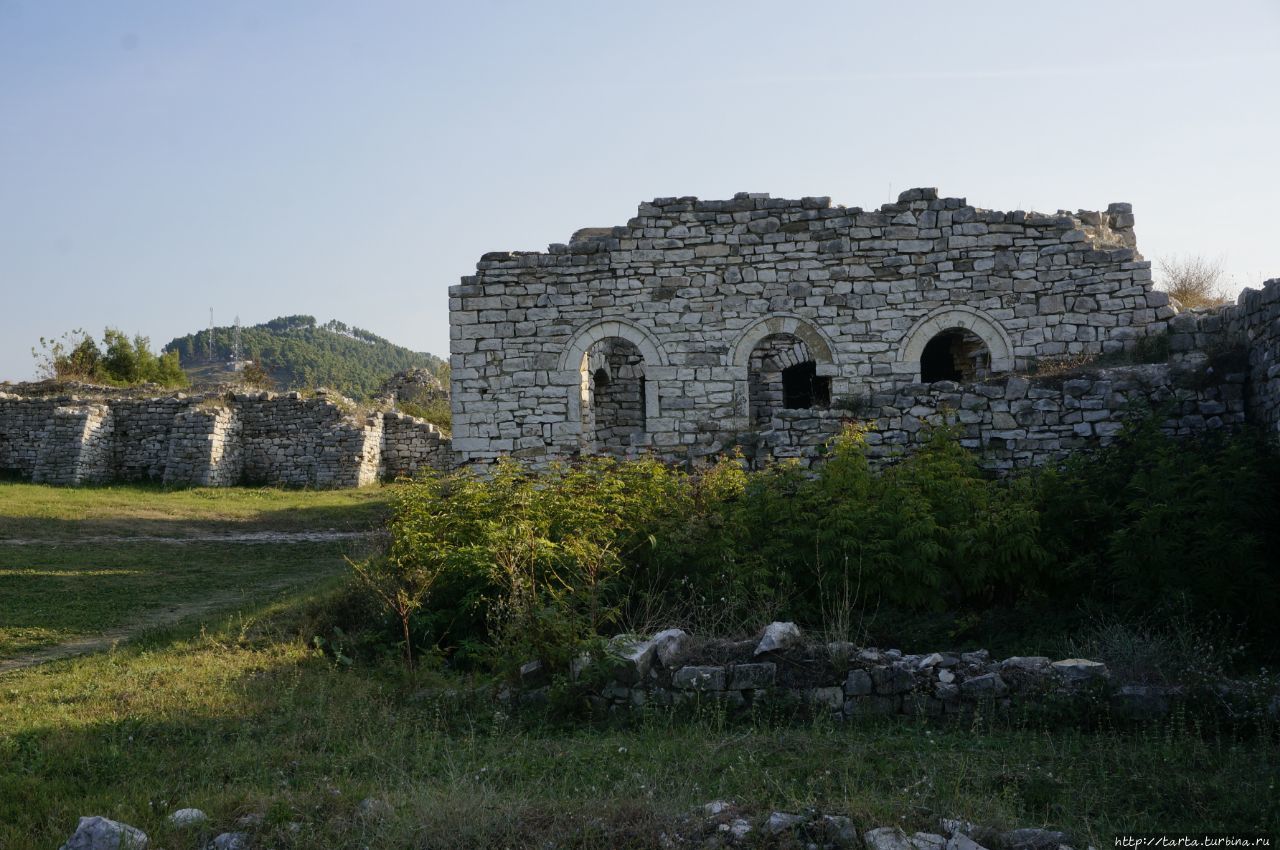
(763, 324)
(755, 324)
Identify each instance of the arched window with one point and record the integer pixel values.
(782, 374)
(955, 343)
(613, 404)
(957, 355)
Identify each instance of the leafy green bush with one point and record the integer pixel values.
(535, 564)
(120, 361)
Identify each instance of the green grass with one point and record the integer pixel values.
(53, 594)
(65, 589)
(235, 711)
(249, 719)
(37, 510)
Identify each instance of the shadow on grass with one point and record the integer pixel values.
(246, 718)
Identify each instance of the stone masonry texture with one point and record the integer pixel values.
(711, 301)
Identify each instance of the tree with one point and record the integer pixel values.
(120, 361)
(1194, 281)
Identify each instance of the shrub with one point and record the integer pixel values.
(535, 564)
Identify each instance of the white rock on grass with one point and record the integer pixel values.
(99, 833)
(960, 841)
(886, 838)
(778, 636)
(230, 841)
(187, 817)
(715, 807)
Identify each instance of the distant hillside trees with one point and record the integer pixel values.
(296, 352)
(118, 361)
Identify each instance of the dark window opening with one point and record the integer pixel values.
(955, 355)
(802, 388)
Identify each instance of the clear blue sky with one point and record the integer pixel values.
(352, 160)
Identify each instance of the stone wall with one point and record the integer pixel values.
(1016, 421)
(697, 286)
(673, 667)
(410, 444)
(765, 323)
(1242, 336)
(322, 441)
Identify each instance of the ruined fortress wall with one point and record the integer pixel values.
(23, 425)
(1014, 422)
(141, 444)
(1242, 335)
(245, 438)
(410, 444)
(696, 285)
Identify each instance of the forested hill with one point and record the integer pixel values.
(297, 353)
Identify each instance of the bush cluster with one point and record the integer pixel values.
(537, 564)
(118, 361)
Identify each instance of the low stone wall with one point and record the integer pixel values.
(323, 441)
(673, 668)
(410, 444)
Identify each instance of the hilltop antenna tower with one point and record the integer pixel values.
(235, 344)
(209, 347)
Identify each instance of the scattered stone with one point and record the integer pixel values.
(372, 808)
(99, 833)
(1075, 670)
(839, 831)
(1026, 664)
(928, 841)
(533, 674)
(633, 657)
(886, 838)
(716, 807)
(778, 636)
(960, 841)
(669, 645)
(1034, 839)
(187, 817)
(231, 841)
(252, 820)
(783, 822)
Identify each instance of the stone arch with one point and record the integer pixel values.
(784, 323)
(591, 333)
(960, 317)
(576, 361)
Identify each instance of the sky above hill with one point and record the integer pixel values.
(352, 160)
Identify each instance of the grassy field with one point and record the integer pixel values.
(57, 587)
(236, 712)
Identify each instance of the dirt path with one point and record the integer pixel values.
(210, 537)
(165, 616)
